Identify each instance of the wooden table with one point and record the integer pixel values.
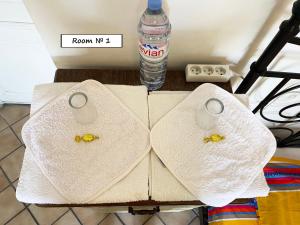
(175, 81)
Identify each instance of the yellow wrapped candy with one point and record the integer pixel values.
(213, 138)
(86, 138)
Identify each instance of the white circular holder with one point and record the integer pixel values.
(83, 110)
(207, 114)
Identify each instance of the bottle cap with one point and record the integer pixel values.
(154, 4)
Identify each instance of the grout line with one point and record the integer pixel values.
(195, 212)
(33, 217)
(5, 188)
(196, 217)
(76, 216)
(146, 221)
(17, 119)
(118, 217)
(15, 134)
(57, 219)
(161, 220)
(1, 117)
(26, 206)
(12, 185)
(23, 117)
(15, 180)
(103, 219)
(22, 145)
(4, 119)
(6, 177)
(10, 127)
(14, 216)
(7, 125)
(11, 182)
(4, 128)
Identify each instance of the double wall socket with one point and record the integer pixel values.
(207, 73)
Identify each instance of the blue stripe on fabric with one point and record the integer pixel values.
(233, 213)
(285, 185)
(277, 175)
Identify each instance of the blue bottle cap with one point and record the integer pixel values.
(154, 4)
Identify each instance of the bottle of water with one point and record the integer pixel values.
(154, 29)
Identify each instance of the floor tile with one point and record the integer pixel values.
(24, 218)
(196, 211)
(196, 221)
(16, 184)
(67, 219)
(12, 164)
(8, 142)
(12, 206)
(89, 216)
(111, 220)
(154, 221)
(3, 181)
(47, 215)
(13, 113)
(134, 220)
(177, 218)
(17, 127)
(3, 124)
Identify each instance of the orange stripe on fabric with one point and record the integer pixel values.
(235, 222)
(285, 160)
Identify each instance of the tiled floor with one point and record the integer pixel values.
(12, 212)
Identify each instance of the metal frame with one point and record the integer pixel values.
(287, 33)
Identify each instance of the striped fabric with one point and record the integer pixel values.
(283, 174)
(238, 212)
(283, 177)
(282, 206)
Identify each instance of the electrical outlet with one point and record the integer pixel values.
(196, 70)
(207, 73)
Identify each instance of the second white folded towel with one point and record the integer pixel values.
(216, 173)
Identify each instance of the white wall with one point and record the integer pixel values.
(24, 60)
(203, 30)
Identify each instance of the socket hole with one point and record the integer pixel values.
(220, 71)
(208, 70)
(195, 70)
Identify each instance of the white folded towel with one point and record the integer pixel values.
(34, 187)
(164, 186)
(99, 164)
(215, 173)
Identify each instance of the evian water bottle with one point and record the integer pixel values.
(154, 29)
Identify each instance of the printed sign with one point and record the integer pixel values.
(91, 40)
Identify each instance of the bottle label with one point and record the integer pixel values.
(153, 52)
(151, 30)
